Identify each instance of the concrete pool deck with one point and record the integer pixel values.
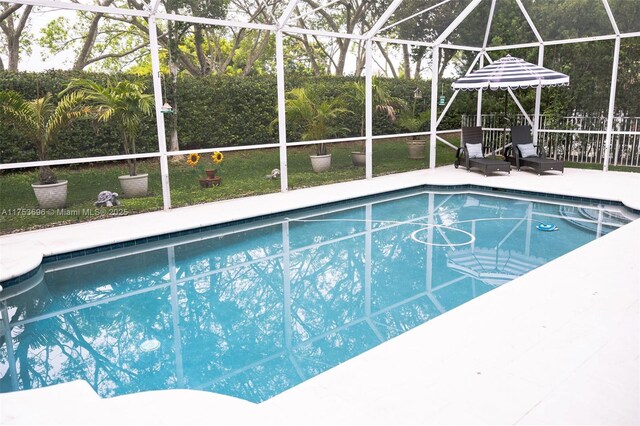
(538, 350)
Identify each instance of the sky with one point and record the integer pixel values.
(40, 17)
(34, 62)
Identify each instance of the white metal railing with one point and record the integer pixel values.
(580, 139)
(155, 154)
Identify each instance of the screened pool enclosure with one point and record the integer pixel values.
(304, 17)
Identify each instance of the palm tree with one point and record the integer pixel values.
(41, 120)
(124, 103)
(410, 121)
(382, 101)
(316, 117)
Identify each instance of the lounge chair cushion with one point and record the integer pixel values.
(528, 150)
(475, 150)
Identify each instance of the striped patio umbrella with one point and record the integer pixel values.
(492, 266)
(511, 73)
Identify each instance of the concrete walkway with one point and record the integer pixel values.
(538, 350)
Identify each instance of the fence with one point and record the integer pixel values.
(579, 139)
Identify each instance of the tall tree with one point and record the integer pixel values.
(98, 41)
(13, 21)
(425, 27)
(344, 17)
(176, 32)
(202, 50)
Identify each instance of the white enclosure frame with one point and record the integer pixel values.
(281, 27)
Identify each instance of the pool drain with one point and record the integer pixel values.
(149, 345)
(546, 227)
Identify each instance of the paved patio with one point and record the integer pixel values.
(538, 350)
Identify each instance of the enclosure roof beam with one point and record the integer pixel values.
(401, 41)
(320, 33)
(302, 15)
(383, 19)
(413, 16)
(154, 5)
(218, 22)
(460, 47)
(529, 21)
(54, 4)
(287, 13)
(489, 21)
(455, 93)
(456, 22)
(142, 13)
(513, 46)
(485, 42)
(78, 6)
(612, 18)
(587, 39)
(564, 41)
(424, 43)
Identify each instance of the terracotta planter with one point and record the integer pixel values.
(209, 182)
(52, 196)
(320, 163)
(416, 148)
(211, 173)
(134, 186)
(359, 159)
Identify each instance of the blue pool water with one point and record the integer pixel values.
(252, 310)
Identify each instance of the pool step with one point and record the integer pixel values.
(587, 218)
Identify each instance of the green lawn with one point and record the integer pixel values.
(243, 174)
(592, 166)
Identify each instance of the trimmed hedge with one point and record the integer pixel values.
(83, 138)
(213, 111)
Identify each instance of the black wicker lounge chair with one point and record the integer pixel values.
(473, 149)
(525, 154)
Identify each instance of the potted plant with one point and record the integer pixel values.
(126, 104)
(41, 120)
(382, 102)
(408, 120)
(316, 118)
(211, 179)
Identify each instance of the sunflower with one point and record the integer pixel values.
(217, 157)
(192, 159)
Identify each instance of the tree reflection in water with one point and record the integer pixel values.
(251, 312)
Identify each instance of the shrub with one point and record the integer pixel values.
(213, 111)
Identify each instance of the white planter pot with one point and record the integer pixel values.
(358, 159)
(320, 163)
(52, 196)
(134, 186)
(416, 148)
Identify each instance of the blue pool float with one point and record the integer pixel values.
(546, 227)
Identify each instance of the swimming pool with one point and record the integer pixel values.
(254, 309)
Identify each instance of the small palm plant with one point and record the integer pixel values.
(382, 101)
(410, 121)
(316, 117)
(124, 103)
(41, 120)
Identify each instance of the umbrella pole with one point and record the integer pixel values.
(504, 123)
